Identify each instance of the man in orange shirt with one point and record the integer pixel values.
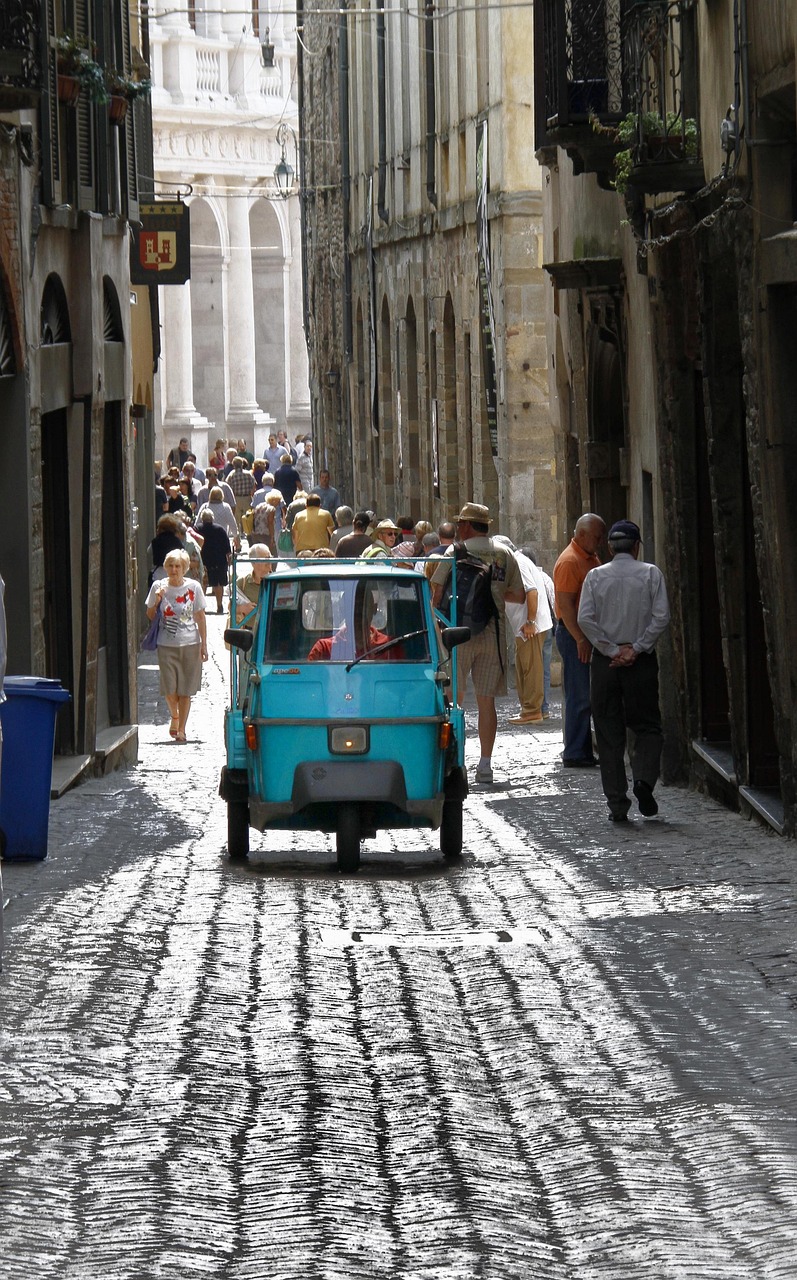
(575, 649)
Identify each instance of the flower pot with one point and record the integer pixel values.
(68, 89)
(117, 108)
(663, 147)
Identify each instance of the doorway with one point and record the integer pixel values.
(112, 699)
(714, 701)
(58, 645)
(607, 494)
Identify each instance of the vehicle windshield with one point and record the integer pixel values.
(339, 619)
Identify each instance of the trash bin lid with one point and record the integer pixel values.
(35, 687)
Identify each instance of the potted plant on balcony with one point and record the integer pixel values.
(662, 140)
(122, 90)
(77, 71)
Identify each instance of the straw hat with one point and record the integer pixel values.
(474, 513)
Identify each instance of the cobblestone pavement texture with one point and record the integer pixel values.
(569, 1055)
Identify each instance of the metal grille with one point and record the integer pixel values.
(581, 45)
(54, 313)
(7, 363)
(20, 64)
(661, 59)
(111, 314)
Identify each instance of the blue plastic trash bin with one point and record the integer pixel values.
(28, 720)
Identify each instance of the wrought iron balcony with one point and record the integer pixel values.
(579, 76)
(607, 71)
(661, 63)
(20, 64)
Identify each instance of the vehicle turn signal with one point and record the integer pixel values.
(446, 732)
(251, 737)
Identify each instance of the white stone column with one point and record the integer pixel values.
(244, 415)
(180, 416)
(297, 374)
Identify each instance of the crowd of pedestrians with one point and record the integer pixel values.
(605, 617)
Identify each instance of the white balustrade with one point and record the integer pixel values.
(208, 70)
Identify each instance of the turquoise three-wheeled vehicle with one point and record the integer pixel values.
(343, 714)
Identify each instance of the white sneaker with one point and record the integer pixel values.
(484, 773)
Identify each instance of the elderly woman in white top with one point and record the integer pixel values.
(223, 516)
(182, 639)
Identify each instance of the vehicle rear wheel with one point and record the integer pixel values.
(237, 829)
(348, 837)
(451, 829)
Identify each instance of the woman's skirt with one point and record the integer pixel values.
(217, 573)
(180, 669)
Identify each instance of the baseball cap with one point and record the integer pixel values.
(624, 529)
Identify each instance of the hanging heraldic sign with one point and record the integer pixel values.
(161, 252)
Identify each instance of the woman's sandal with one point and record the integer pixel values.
(180, 739)
(173, 727)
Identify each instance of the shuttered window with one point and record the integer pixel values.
(127, 138)
(51, 112)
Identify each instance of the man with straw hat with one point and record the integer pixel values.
(483, 657)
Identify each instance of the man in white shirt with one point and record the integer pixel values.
(623, 610)
(304, 465)
(213, 481)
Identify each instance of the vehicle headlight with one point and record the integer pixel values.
(348, 740)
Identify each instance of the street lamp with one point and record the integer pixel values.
(267, 51)
(283, 173)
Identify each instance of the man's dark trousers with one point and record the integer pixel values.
(626, 698)
(575, 679)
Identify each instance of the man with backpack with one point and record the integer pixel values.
(487, 579)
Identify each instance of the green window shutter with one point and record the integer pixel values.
(133, 122)
(85, 123)
(50, 112)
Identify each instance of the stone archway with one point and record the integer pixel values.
(449, 446)
(416, 480)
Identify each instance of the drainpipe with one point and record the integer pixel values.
(302, 172)
(745, 67)
(345, 164)
(382, 121)
(345, 148)
(431, 114)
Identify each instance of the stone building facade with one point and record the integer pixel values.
(68, 372)
(429, 385)
(672, 257)
(234, 352)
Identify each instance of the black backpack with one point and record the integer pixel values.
(475, 604)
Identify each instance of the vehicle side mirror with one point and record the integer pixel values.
(239, 638)
(452, 636)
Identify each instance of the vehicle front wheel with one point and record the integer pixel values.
(348, 837)
(237, 829)
(451, 829)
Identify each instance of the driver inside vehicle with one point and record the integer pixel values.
(337, 647)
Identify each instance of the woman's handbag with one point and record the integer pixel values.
(150, 641)
(285, 543)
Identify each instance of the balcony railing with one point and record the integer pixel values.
(611, 61)
(211, 67)
(579, 61)
(20, 64)
(661, 63)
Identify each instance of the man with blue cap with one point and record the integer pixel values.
(623, 610)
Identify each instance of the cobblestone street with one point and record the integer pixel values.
(569, 1055)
